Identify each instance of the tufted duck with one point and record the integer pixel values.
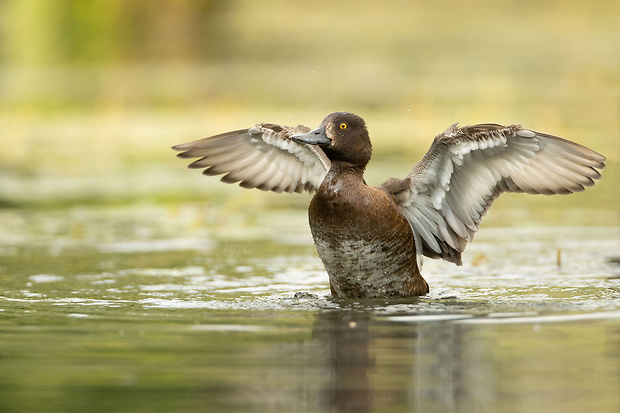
(372, 239)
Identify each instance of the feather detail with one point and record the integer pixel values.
(466, 169)
(262, 157)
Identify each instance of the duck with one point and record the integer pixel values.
(372, 240)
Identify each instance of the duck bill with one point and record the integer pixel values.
(314, 137)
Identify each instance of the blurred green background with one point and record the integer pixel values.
(94, 92)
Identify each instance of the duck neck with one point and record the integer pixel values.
(339, 168)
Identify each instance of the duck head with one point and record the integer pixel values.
(343, 136)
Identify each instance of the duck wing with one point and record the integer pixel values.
(447, 194)
(262, 157)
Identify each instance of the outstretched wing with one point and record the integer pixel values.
(447, 194)
(262, 157)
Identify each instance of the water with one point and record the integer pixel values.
(187, 308)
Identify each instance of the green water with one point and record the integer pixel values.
(164, 308)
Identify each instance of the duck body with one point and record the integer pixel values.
(365, 243)
(371, 239)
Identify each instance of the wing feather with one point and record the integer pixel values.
(262, 157)
(466, 169)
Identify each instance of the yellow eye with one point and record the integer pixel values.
(343, 126)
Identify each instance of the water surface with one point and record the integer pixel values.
(167, 308)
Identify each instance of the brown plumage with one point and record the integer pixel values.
(371, 240)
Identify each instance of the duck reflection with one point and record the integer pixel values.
(374, 363)
(347, 341)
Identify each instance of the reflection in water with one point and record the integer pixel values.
(450, 371)
(372, 363)
(347, 339)
(336, 360)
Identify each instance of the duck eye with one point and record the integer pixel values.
(343, 126)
